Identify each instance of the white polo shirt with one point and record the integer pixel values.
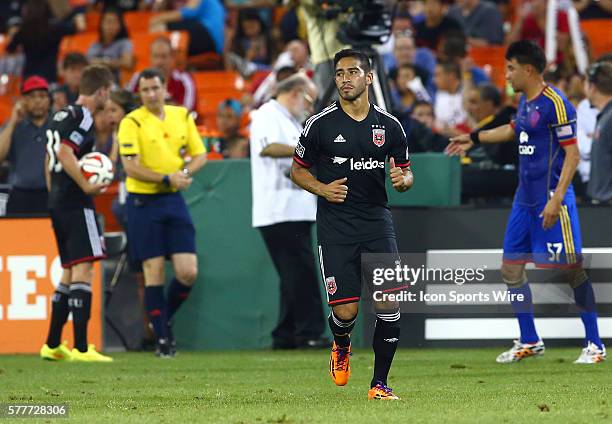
(276, 198)
(586, 117)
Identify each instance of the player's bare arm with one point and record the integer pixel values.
(70, 164)
(334, 192)
(402, 179)
(551, 211)
(463, 142)
(278, 150)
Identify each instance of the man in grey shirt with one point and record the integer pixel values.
(23, 141)
(481, 21)
(599, 91)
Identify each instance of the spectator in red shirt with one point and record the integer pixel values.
(531, 25)
(181, 88)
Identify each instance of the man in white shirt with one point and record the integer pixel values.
(284, 213)
(586, 116)
(448, 106)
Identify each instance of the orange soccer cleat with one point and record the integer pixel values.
(339, 364)
(381, 392)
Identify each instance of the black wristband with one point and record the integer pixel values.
(474, 137)
(166, 180)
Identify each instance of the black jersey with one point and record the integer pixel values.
(74, 127)
(338, 146)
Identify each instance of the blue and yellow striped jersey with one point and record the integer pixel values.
(543, 126)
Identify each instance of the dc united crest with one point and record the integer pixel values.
(378, 136)
(330, 285)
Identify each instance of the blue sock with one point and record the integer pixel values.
(524, 313)
(177, 294)
(585, 300)
(156, 309)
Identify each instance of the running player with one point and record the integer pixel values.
(543, 227)
(348, 143)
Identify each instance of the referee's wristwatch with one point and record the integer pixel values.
(186, 172)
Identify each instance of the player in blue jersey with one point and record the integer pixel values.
(543, 226)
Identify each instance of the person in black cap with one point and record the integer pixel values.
(22, 142)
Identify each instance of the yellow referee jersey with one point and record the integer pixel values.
(159, 144)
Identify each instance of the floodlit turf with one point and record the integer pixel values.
(436, 385)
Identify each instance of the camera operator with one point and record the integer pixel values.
(322, 26)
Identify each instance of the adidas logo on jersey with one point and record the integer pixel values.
(358, 165)
(339, 139)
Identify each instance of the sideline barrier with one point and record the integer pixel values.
(30, 269)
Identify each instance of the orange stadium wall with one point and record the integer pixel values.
(29, 271)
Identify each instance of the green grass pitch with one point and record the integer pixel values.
(436, 386)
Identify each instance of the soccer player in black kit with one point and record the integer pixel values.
(347, 144)
(71, 207)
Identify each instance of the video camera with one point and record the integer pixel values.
(366, 22)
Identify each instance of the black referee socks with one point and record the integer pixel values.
(177, 294)
(59, 315)
(384, 342)
(155, 304)
(80, 306)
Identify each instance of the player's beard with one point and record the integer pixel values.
(351, 97)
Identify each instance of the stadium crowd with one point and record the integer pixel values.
(223, 59)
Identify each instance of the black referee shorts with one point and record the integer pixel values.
(78, 235)
(344, 273)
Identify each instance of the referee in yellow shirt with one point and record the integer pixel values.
(154, 141)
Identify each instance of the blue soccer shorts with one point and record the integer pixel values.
(158, 225)
(558, 247)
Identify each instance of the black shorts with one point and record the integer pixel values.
(344, 273)
(78, 236)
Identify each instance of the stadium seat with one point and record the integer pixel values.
(93, 20)
(213, 87)
(77, 43)
(137, 21)
(6, 108)
(598, 33)
(142, 55)
(491, 59)
(206, 61)
(142, 43)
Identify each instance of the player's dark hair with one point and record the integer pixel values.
(74, 59)
(363, 58)
(490, 93)
(527, 53)
(450, 67)
(95, 77)
(600, 75)
(151, 73)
